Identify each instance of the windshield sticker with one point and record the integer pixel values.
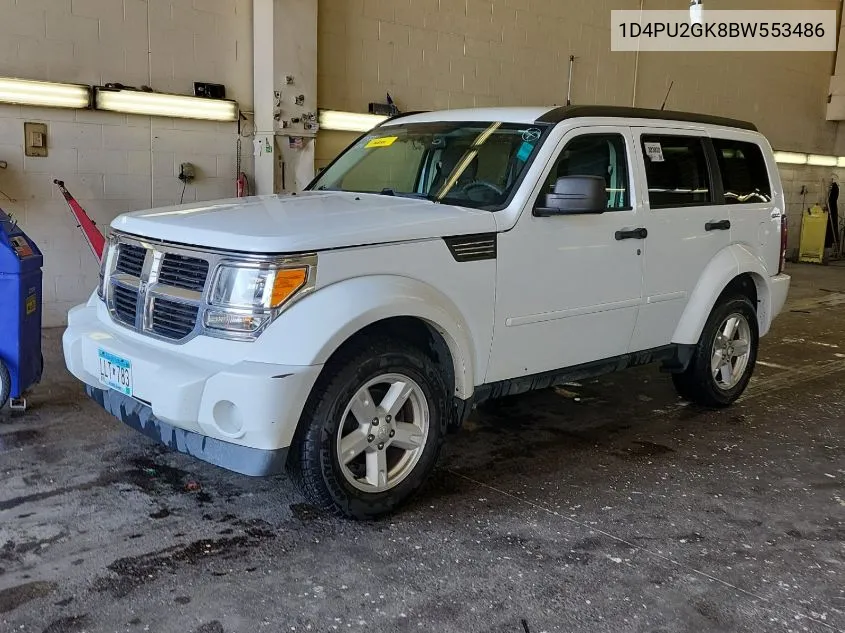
(654, 151)
(531, 135)
(524, 151)
(384, 141)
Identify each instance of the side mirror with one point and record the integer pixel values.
(573, 195)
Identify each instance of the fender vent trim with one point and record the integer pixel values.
(471, 248)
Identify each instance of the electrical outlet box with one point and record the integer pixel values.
(186, 172)
(35, 139)
(212, 91)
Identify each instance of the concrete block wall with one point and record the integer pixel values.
(432, 54)
(110, 162)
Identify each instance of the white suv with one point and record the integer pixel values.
(443, 259)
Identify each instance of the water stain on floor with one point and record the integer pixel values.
(132, 572)
(70, 624)
(13, 597)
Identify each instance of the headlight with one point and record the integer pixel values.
(266, 287)
(105, 263)
(245, 297)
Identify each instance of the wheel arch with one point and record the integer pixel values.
(383, 304)
(733, 270)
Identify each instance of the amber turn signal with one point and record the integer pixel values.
(287, 282)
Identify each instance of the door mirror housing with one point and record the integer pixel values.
(575, 195)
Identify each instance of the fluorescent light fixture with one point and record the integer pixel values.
(44, 93)
(695, 12)
(840, 162)
(162, 104)
(791, 158)
(349, 121)
(822, 161)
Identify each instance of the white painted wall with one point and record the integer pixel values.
(114, 163)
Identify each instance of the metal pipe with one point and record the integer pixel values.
(569, 87)
(263, 95)
(637, 62)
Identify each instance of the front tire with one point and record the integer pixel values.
(724, 358)
(372, 429)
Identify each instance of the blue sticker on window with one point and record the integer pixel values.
(525, 151)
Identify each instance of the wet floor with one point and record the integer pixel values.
(604, 505)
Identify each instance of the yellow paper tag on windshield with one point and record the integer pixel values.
(384, 141)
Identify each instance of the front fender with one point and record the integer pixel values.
(311, 330)
(729, 263)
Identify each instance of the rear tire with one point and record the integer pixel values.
(372, 429)
(724, 358)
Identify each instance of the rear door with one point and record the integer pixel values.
(753, 212)
(687, 222)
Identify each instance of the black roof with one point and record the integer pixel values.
(574, 111)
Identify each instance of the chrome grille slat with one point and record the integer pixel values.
(162, 315)
(183, 320)
(130, 259)
(171, 318)
(125, 304)
(185, 272)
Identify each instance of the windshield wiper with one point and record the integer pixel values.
(387, 191)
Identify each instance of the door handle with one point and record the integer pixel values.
(632, 234)
(721, 225)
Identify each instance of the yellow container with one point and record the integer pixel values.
(813, 231)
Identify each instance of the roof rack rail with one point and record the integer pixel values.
(562, 113)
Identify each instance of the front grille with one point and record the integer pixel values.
(130, 259)
(158, 289)
(125, 301)
(180, 271)
(173, 319)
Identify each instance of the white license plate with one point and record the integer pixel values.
(115, 372)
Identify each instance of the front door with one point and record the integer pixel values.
(569, 286)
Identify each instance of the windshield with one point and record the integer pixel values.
(456, 162)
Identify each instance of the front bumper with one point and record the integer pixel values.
(227, 401)
(240, 459)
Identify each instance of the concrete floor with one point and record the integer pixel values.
(606, 506)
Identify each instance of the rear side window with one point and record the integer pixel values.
(676, 171)
(744, 173)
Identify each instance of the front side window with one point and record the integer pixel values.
(676, 171)
(595, 155)
(744, 173)
(456, 162)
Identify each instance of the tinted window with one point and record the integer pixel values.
(596, 155)
(744, 173)
(676, 171)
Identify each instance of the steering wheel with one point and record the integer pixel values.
(479, 184)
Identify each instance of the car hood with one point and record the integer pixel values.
(309, 221)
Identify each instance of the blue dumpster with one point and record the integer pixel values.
(21, 363)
